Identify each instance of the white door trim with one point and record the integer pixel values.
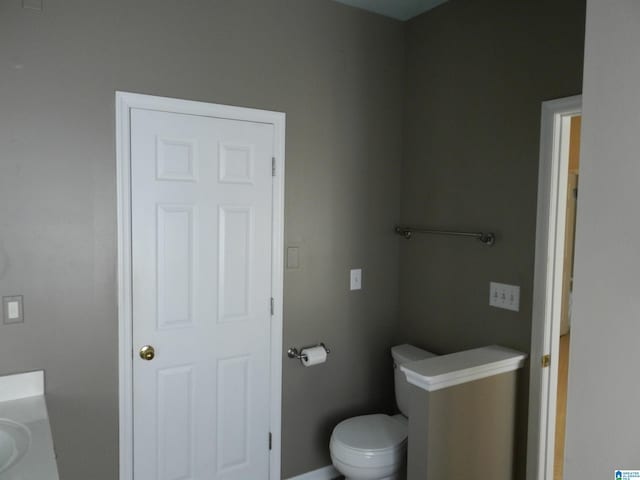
(124, 103)
(547, 284)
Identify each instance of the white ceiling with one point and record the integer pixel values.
(398, 9)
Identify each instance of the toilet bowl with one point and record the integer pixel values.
(371, 447)
(374, 447)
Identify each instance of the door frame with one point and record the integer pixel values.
(547, 283)
(124, 103)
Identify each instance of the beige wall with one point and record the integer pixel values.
(337, 73)
(464, 431)
(604, 392)
(477, 72)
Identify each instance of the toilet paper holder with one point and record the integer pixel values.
(294, 353)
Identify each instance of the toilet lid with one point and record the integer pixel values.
(371, 432)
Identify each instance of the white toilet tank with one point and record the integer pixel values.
(404, 354)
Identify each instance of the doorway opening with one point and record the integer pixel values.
(575, 127)
(553, 279)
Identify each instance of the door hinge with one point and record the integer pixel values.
(272, 305)
(270, 441)
(273, 166)
(546, 361)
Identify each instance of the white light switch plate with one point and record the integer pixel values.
(356, 279)
(504, 296)
(12, 309)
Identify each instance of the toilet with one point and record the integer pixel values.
(374, 447)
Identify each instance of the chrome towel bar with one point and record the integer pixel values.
(407, 232)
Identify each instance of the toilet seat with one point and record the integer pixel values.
(370, 441)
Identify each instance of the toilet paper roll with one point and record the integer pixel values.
(313, 356)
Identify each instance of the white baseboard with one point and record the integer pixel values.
(324, 473)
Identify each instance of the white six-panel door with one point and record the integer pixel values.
(201, 256)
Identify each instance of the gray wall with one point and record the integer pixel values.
(477, 73)
(337, 73)
(604, 392)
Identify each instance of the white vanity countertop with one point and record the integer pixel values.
(436, 373)
(22, 400)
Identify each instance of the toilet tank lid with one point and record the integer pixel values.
(408, 353)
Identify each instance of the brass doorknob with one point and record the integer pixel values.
(147, 352)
